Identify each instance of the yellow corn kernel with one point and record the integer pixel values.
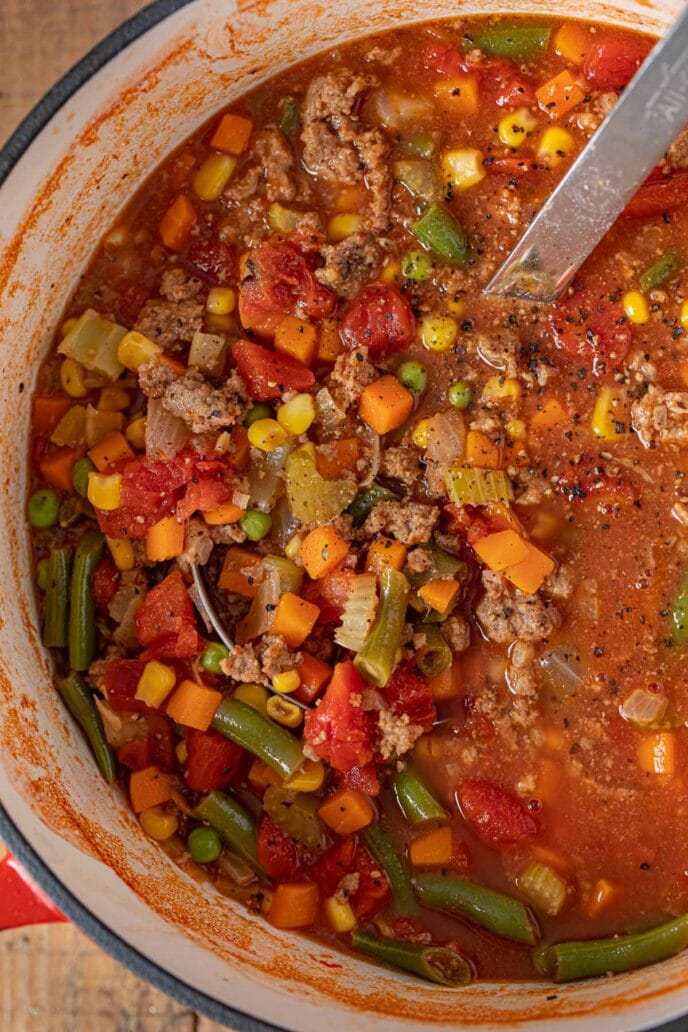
(463, 168)
(297, 414)
(113, 399)
(309, 779)
(609, 415)
(135, 348)
(555, 144)
(220, 301)
(219, 323)
(498, 388)
(213, 176)
(105, 490)
(291, 549)
(72, 378)
(516, 429)
(181, 752)
(122, 552)
(287, 681)
(342, 226)
(260, 776)
(67, 326)
(391, 272)
(135, 433)
(155, 683)
(266, 434)
(253, 695)
(284, 712)
(158, 824)
(636, 308)
(438, 332)
(419, 434)
(683, 317)
(456, 307)
(515, 127)
(339, 914)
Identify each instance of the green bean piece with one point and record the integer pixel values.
(665, 268)
(460, 394)
(204, 845)
(235, 826)
(56, 621)
(501, 914)
(366, 499)
(211, 659)
(442, 564)
(79, 701)
(80, 471)
(82, 612)
(513, 40)
(435, 963)
(44, 508)
(289, 115)
(377, 658)
(394, 865)
(416, 801)
(679, 615)
(252, 731)
(568, 961)
(42, 574)
(443, 235)
(434, 656)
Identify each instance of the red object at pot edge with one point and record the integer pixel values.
(22, 902)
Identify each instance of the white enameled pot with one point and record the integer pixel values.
(67, 172)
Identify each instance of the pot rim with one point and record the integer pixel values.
(143, 967)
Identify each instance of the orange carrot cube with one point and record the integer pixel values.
(193, 705)
(232, 134)
(294, 619)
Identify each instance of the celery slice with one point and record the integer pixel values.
(312, 498)
(93, 342)
(469, 485)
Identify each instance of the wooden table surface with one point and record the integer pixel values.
(52, 979)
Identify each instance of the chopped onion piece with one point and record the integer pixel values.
(396, 109)
(562, 668)
(328, 415)
(166, 434)
(545, 889)
(359, 612)
(259, 618)
(446, 446)
(644, 707)
(265, 480)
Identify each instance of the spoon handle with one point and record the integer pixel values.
(642, 124)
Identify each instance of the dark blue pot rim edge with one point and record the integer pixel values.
(11, 152)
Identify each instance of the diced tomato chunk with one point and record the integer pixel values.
(373, 888)
(338, 730)
(510, 88)
(336, 862)
(213, 260)
(205, 494)
(659, 195)
(213, 761)
(612, 62)
(443, 58)
(135, 755)
(363, 779)
(589, 326)
(267, 374)
(512, 166)
(161, 742)
(120, 680)
(166, 624)
(105, 583)
(276, 850)
(329, 594)
(408, 692)
(498, 815)
(380, 318)
(280, 282)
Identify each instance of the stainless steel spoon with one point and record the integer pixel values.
(635, 135)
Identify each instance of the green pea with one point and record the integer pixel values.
(82, 467)
(204, 844)
(460, 394)
(211, 659)
(413, 376)
(417, 266)
(255, 524)
(260, 411)
(42, 574)
(44, 508)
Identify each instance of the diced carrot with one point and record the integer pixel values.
(385, 552)
(165, 539)
(114, 446)
(602, 896)
(177, 223)
(385, 404)
(193, 705)
(240, 572)
(47, 411)
(220, 517)
(294, 905)
(572, 42)
(439, 594)
(175, 364)
(56, 468)
(500, 550)
(148, 787)
(550, 415)
(333, 457)
(330, 344)
(347, 811)
(240, 448)
(260, 776)
(481, 451)
(294, 619)
(459, 94)
(560, 94)
(322, 550)
(232, 134)
(657, 754)
(297, 338)
(433, 848)
(528, 574)
(448, 684)
(314, 674)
